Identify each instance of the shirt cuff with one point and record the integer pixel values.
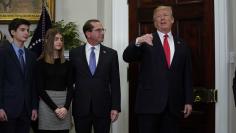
(136, 43)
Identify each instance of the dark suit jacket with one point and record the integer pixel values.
(160, 87)
(99, 93)
(17, 90)
(234, 87)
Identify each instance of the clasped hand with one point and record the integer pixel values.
(61, 112)
(3, 116)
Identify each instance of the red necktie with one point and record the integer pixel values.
(167, 49)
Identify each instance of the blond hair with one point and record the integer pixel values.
(160, 7)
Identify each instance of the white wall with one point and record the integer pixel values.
(4, 29)
(80, 11)
(120, 32)
(76, 11)
(232, 51)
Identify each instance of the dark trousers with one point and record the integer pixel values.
(21, 124)
(34, 126)
(53, 131)
(158, 123)
(16, 125)
(84, 124)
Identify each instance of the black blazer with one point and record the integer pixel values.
(17, 90)
(234, 87)
(99, 93)
(160, 87)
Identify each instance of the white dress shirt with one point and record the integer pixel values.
(170, 41)
(96, 51)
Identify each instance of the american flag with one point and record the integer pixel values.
(44, 23)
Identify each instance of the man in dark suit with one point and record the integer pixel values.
(96, 99)
(164, 84)
(18, 97)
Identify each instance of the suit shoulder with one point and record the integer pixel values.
(108, 49)
(4, 43)
(180, 41)
(76, 49)
(32, 54)
(5, 47)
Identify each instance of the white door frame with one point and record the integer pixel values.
(221, 66)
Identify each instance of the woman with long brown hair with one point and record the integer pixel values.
(55, 85)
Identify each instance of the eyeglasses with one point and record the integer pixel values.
(100, 30)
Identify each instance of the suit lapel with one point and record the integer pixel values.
(14, 57)
(156, 40)
(27, 61)
(177, 44)
(158, 45)
(84, 60)
(102, 54)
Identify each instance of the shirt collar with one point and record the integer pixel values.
(161, 35)
(88, 46)
(16, 49)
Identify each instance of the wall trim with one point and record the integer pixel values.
(120, 38)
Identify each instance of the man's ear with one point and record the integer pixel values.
(87, 34)
(173, 20)
(13, 32)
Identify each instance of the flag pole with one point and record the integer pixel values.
(44, 23)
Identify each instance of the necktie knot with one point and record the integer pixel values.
(21, 59)
(92, 49)
(166, 36)
(20, 51)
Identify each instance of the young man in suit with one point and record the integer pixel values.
(96, 100)
(165, 80)
(18, 97)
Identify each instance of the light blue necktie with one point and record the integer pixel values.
(21, 60)
(92, 61)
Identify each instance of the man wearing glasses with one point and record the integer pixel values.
(96, 99)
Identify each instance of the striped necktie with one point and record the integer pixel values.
(21, 60)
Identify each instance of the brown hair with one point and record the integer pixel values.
(48, 49)
(15, 23)
(88, 25)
